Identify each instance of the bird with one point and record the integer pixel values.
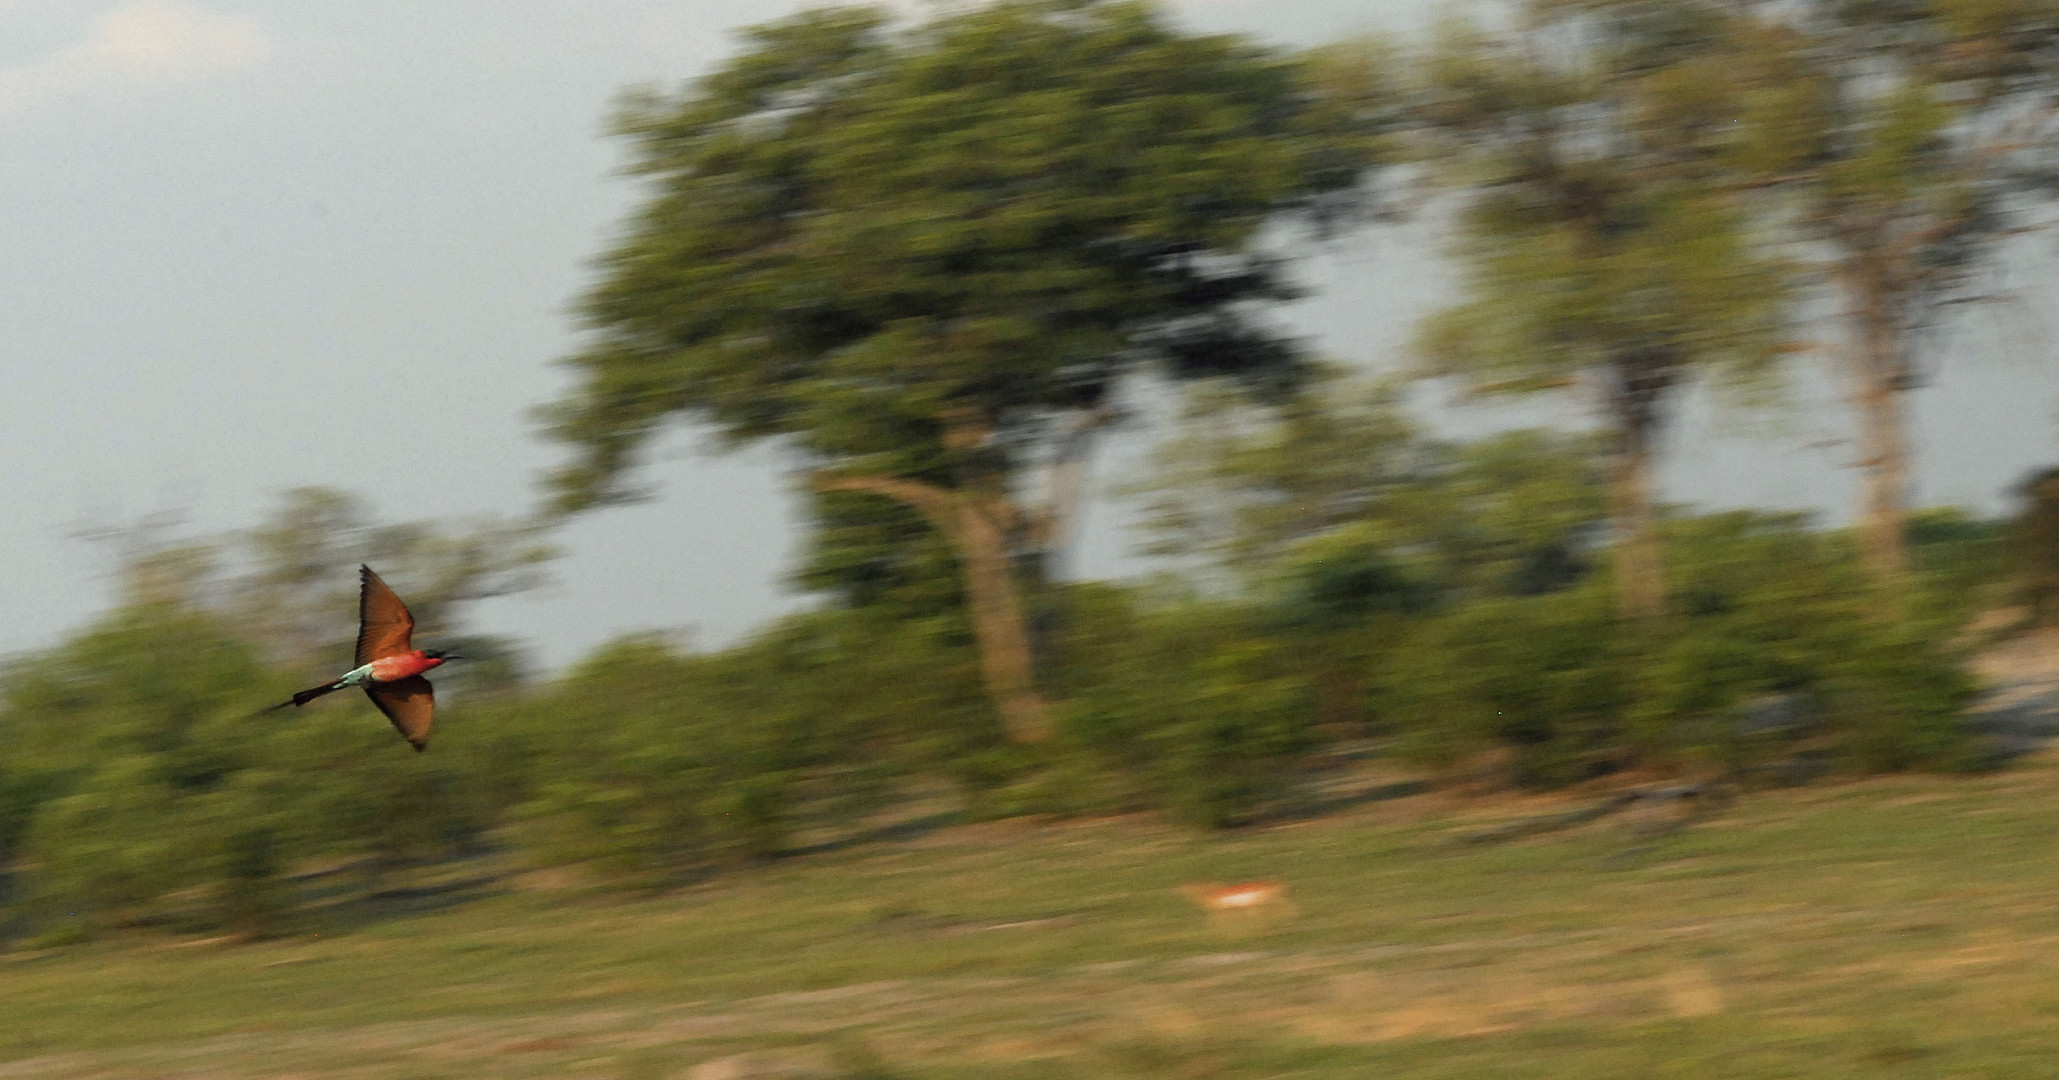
(389, 666)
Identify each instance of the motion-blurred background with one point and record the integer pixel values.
(884, 427)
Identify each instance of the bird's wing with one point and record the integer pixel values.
(410, 703)
(383, 622)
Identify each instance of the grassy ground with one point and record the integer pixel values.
(1903, 927)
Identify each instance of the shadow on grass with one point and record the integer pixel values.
(351, 897)
(1312, 806)
(892, 832)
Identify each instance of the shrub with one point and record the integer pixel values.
(1762, 606)
(1769, 607)
(109, 847)
(659, 762)
(1182, 707)
(1543, 676)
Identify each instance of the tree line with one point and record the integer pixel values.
(933, 262)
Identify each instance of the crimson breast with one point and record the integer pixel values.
(396, 668)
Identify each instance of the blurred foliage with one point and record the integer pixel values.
(1236, 483)
(289, 584)
(650, 763)
(927, 257)
(1187, 706)
(930, 254)
(2035, 546)
(139, 784)
(855, 229)
(140, 789)
(150, 775)
(1339, 505)
(866, 552)
(1543, 677)
(1601, 231)
(1772, 618)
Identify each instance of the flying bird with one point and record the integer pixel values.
(389, 667)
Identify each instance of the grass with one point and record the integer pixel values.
(1900, 927)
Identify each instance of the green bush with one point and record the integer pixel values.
(635, 758)
(112, 845)
(22, 792)
(658, 762)
(1761, 606)
(1182, 707)
(141, 779)
(1545, 677)
(125, 740)
(1769, 607)
(142, 768)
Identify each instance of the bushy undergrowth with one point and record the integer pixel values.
(1776, 645)
(1543, 676)
(141, 785)
(648, 763)
(1183, 707)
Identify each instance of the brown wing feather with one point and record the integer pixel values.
(383, 623)
(410, 703)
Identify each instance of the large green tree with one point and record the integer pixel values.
(926, 259)
(1599, 227)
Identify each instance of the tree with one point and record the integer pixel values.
(927, 259)
(296, 578)
(289, 586)
(2036, 540)
(1239, 484)
(1601, 230)
(1896, 136)
(1342, 524)
(1285, 494)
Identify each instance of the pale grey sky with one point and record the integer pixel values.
(246, 243)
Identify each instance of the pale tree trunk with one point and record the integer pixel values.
(978, 529)
(1883, 540)
(1640, 573)
(1640, 382)
(1880, 375)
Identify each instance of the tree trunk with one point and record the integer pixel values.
(1639, 382)
(1880, 377)
(977, 529)
(1640, 576)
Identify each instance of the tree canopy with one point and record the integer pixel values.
(927, 256)
(1601, 226)
(854, 231)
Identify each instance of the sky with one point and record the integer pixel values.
(248, 246)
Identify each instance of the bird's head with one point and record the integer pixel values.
(439, 654)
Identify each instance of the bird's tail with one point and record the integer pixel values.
(306, 696)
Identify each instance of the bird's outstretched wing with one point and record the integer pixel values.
(383, 622)
(410, 703)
